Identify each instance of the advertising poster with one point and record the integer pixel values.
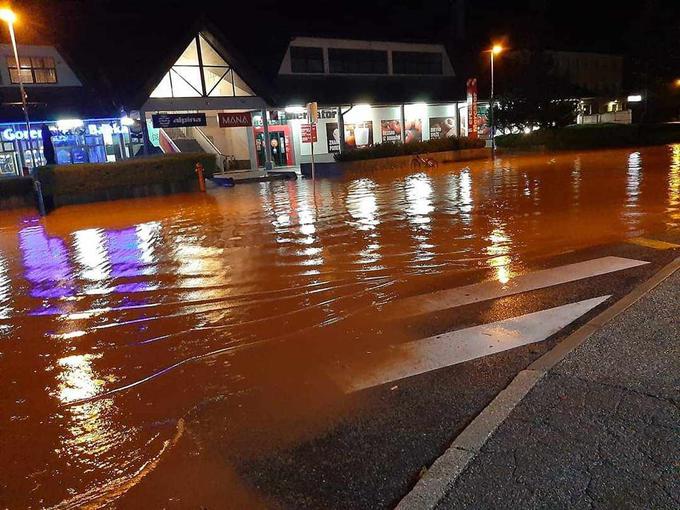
(442, 127)
(482, 123)
(390, 130)
(333, 137)
(472, 107)
(356, 135)
(359, 134)
(413, 131)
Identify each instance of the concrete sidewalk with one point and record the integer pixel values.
(600, 430)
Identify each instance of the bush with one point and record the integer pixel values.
(11, 187)
(92, 177)
(391, 149)
(593, 136)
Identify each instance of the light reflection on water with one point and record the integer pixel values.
(144, 293)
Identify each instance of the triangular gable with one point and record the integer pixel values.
(201, 72)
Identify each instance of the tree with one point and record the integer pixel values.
(532, 95)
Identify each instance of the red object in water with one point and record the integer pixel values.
(201, 178)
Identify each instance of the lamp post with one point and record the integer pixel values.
(495, 50)
(9, 17)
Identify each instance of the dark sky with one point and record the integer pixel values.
(585, 24)
(649, 29)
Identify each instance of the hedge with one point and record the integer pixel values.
(390, 149)
(11, 187)
(93, 177)
(593, 136)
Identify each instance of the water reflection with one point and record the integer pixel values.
(419, 200)
(46, 263)
(499, 250)
(362, 205)
(143, 294)
(91, 255)
(5, 290)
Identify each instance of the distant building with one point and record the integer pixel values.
(193, 88)
(599, 73)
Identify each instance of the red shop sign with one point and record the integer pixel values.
(308, 132)
(227, 120)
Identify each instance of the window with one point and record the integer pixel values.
(201, 72)
(306, 60)
(357, 61)
(32, 69)
(413, 62)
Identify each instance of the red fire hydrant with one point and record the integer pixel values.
(201, 178)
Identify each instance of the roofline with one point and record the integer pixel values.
(357, 38)
(215, 37)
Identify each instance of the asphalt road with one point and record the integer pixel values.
(368, 452)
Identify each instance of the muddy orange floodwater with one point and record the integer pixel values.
(120, 321)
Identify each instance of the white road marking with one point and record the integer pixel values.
(420, 356)
(653, 243)
(484, 291)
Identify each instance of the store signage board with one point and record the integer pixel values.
(472, 107)
(241, 119)
(10, 134)
(172, 120)
(308, 133)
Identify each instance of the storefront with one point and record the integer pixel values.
(75, 141)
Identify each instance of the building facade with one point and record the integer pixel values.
(368, 92)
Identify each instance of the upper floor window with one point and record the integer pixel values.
(32, 69)
(415, 62)
(357, 61)
(306, 60)
(201, 71)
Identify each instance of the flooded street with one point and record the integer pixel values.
(123, 322)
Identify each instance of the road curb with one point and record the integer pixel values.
(434, 484)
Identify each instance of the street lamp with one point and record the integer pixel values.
(496, 49)
(10, 18)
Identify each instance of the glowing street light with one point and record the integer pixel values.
(496, 49)
(10, 18)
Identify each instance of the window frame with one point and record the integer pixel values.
(338, 59)
(306, 59)
(12, 66)
(400, 58)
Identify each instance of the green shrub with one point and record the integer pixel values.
(593, 136)
(91, 177)
(15, 187)
(391, 149)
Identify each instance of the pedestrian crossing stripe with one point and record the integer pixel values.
(494, 289)
(653, 243)
(421, 356)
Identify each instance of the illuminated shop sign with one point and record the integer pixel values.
(9, 134)
(170, 120)
(234, 119)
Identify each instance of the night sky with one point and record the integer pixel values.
(647, 30)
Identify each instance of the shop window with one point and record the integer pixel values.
(414, 62)
(32, 70)
(306, 60)
(201, 72)
(357, 61)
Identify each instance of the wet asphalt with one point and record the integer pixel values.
(373, 454)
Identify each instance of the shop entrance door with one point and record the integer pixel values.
(280, 143)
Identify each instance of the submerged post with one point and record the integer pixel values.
(201, 177)
(39, 197)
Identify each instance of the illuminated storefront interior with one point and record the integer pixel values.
(75, 141)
